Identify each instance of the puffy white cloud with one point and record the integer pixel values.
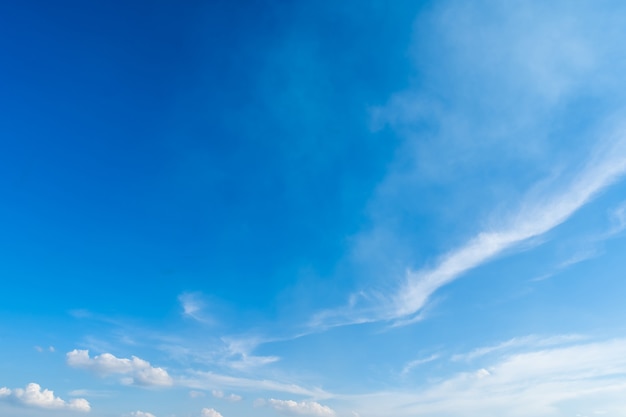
(137, 370)
(34, 396)
(303, 408)
(141, 414)
(210, 412)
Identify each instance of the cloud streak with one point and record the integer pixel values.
(193, 307)
(200, 380)
(578, 379)
(537, 215)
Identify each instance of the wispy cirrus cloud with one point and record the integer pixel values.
(580, 378)
(194, 307)
(409, 366)
(204, 380)
(516, 343)
(452, 128)
(537, 215)
(543, 209)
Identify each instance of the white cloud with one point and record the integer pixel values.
(302, 408)
(193, 307)
(230, 397)
(141, 414)
(137, 371)
(536, 216)
(212, 381)
(210, 412)
(417, 362)
(34, 396)
(533, 77)
(196, 394)
(246, 362)
(241, 359)
(556, 381)
(520, 342)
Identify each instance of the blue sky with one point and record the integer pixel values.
(348, 209)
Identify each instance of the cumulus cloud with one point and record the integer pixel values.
(210, 412)
(137, 371)
(302, 408)
(34, 396)
(196, 394)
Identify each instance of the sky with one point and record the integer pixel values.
(312, 208)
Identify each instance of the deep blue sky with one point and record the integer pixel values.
(359, 208)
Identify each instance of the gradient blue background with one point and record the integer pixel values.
(245, 188)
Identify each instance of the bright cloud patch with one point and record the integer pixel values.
(138, 371)
(141, 414)
(303, 408)
(210, 412)
(34, 396)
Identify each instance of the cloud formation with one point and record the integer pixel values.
(536, 215)
(34, 396)
(417, 362)
(137, 371)
(579, 379)
(141, 414)
(193, 306)
(302, 408)
(200, 380)
(210, 412)
(456, 126)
